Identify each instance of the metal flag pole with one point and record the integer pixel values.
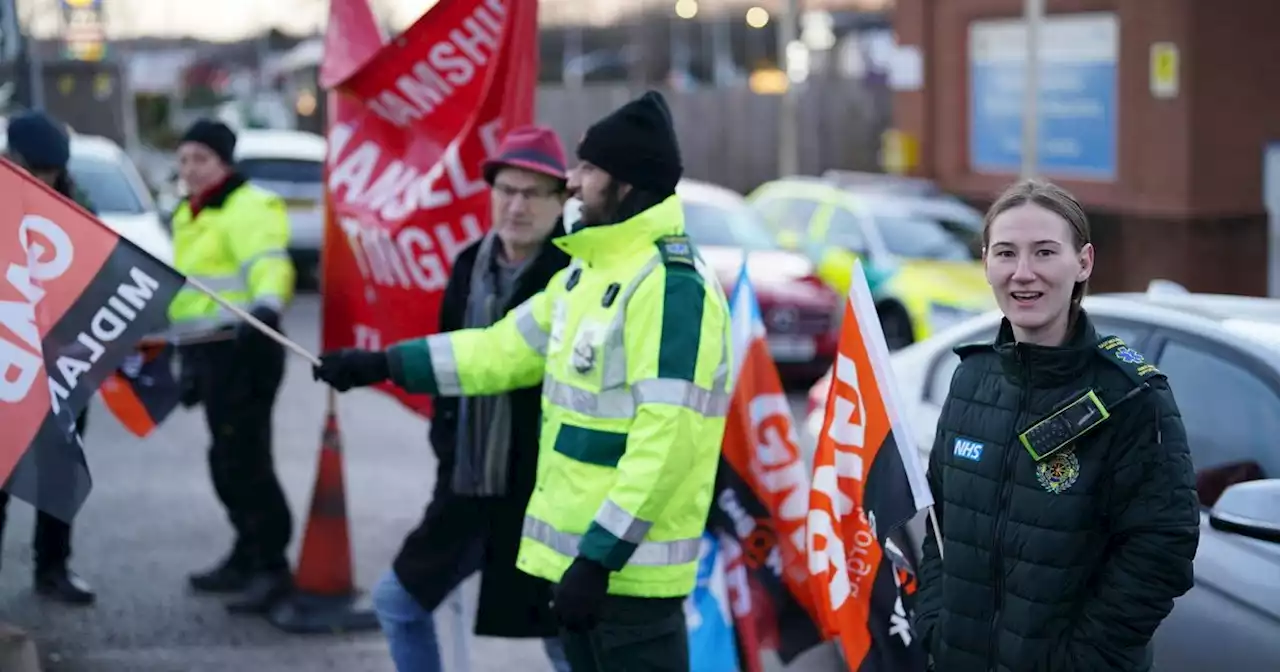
(1033, 18)
(937, 531)
(788, 123)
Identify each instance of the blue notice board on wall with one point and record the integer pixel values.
(1078, 120)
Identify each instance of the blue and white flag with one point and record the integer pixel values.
(712, 647)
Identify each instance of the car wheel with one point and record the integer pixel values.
(896, 325)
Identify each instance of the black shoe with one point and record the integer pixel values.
(63, 585)
(228, 577)
(266, 589)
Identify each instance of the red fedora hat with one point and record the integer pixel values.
(534, 148)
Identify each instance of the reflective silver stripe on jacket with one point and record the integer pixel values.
(683, 393)
(534, 335)
(614, 404)
(648, 553)
(621, 524)
(621, 403)
(247, 265)
(444, 365)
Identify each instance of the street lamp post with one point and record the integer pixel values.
(788, 131)
(1033, 17)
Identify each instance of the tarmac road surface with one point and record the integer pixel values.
(153, 517)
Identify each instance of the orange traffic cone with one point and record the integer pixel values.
(323, 587)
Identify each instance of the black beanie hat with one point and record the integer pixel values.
(39, 141)
(636, 144)
(215, 135)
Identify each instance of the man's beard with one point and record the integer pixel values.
(607, 212)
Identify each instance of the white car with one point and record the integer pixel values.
(1217, 351)
(290, 164)
(106, 174)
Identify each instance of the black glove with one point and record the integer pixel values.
(246, 332)
(349, 367)
(578, 597)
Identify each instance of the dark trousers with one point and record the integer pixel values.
(238, 382)
(51, 543)
(634, 635)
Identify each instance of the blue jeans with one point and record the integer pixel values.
(411, 630)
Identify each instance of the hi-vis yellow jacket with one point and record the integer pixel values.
(631, 343)
(237, 245)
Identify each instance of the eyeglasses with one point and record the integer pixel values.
(507, 191)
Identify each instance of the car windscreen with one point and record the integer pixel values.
(292, 179)
(106, 184)
(913, 236)
(715, 226)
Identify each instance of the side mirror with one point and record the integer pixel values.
(1249, 509)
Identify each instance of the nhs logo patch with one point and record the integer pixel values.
(967, 449)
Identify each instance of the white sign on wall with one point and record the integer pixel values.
(1077, 107)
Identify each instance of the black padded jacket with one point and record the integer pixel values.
(1069, 562)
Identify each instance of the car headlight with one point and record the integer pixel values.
(943, 317)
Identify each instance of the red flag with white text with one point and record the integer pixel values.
(762, 499)
(410, 128)
(868, 480)
(75, 300)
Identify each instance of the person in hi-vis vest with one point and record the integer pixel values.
(233, 237)
(631, 343)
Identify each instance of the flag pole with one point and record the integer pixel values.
(937, 531)
(255, 322)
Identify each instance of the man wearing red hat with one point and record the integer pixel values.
(486, 447)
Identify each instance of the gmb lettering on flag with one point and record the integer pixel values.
(762, 499)
(867, 482)
(75, 301)
(413, 120)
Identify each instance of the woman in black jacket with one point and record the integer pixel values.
(1063, 484)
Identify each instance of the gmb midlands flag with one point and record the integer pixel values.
(867, 481)
(74, 301)
(412, 121)
(762, 500)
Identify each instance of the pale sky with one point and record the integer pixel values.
(214, 19)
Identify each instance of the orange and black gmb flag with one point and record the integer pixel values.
(75, 299)
(144, 390)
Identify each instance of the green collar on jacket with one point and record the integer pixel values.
(609, 243)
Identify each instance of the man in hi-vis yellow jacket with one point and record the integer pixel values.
(631, 343)
(233, 237)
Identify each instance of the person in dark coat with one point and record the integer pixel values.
(41, 146)
(1064, 488)
(486, 447)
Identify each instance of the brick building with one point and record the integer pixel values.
(1154, 113)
